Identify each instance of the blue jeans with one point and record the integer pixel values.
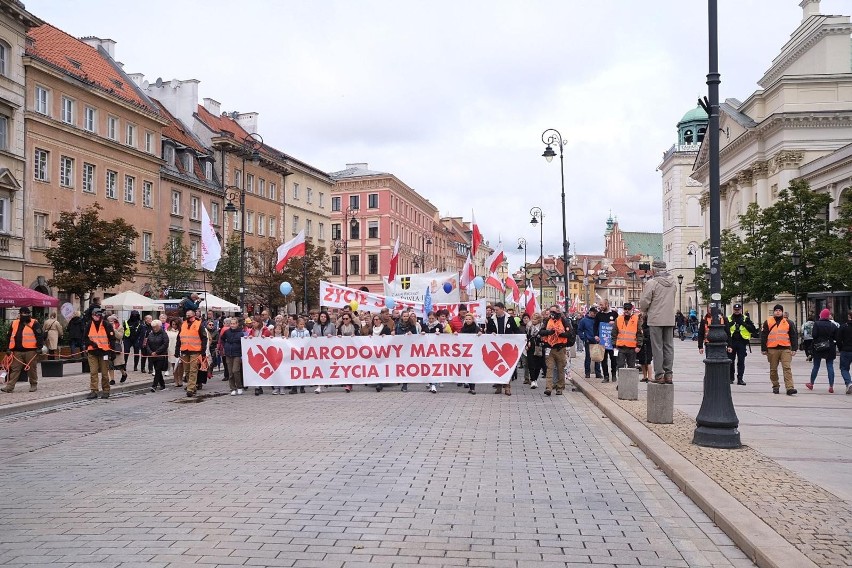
(829, 364)
(587, 363)
(845, 363)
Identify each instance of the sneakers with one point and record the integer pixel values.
(533, 384)
(239, 391)
(741, 382)
(233, 393)
(258, 391)
(588, 375)
(433, 389)
(318, 389)
(404, 387)
(33, 388)
(112, 382)
(776, 390)
(791, 392)
(472, 391)
(348, 388)
(92, 395)
(849, 388)
(153, 389)
(809, 386)
(276, 390)
(605, 379)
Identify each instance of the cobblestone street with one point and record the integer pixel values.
(340, 480)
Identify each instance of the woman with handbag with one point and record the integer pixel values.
(535, 349)
(823, 348)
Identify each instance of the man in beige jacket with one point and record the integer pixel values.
(658, 305)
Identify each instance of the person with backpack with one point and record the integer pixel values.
(558, 335)
(824, 348)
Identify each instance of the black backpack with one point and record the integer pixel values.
(570, 330)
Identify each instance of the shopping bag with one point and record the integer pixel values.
(597, 352)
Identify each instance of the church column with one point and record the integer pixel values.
(745, 180)
(760, 171)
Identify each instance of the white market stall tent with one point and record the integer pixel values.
(217, 304)
(130, 300)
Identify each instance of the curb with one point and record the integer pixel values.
(19, 407)
(760, 542)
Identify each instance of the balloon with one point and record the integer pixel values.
(390, 303)
(354, 305)
(478, 282)
(448, 287)
(285, 288)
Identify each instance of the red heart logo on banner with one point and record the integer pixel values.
(266, 361)
(501, 358)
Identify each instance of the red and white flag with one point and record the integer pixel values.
(394, 261)
(495, 259)
(530, 302)
(467, 274)
(512, 286)
(291, 249)
(476, 237)
(494, 280)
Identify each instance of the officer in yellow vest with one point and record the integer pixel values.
(779, 341)
(627, 337)
(191, 344)
(99, 339)
(25, 342)
(741, 331)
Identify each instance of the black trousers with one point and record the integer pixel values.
(739, 351)
(536, 364)
(609, 357)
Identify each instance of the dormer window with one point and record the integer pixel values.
(169, 154)
(187, 162)
(208, 170)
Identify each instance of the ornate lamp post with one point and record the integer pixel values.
(251, 146)
(632, 275)
(679, 293)
(522, 245)
(538, 219)
(693, 252)
(350, 222)
(796, 258)
(551, 137)
(741, 271)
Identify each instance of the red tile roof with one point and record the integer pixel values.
(176, 131)
(77, 59)
(222, 124)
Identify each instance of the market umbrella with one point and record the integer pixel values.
(15, 295)
(131, 300)
(217, 304)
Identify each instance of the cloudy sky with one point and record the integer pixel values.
(452, 96)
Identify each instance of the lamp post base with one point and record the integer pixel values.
(725, 438)
(717, 423)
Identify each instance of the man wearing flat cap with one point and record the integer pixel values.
(658, 305)
(26, 339)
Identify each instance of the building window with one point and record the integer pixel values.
(4, 57)
(194, 208)
(354, 265)
(111, 182)
(273, 228)
(146, 247)
(335, 265)
(130, 137)
(249, 183)
(295, 191)
(335, 203)
(261, 187)
(4, 132)
(112, 128)
(188, 166)
(149, 142)
(261, 225)
(238, 178)
(39, 227)
(66, 171)
(89, 119)
(193, 253)
(169, 154)
(175, 202)
(237, 222)
(88, 178)
(214, 213)
(67, 110)
(373, 263)
(355, 230)
(5, 215)
(308, 227)
(335, 232)
(373, 201)
(321, 232)
(208, 170)
(373, 230)
(249, 221)
(272, 192)
(354, 202)
(147, 194)
(295, 224)
(309, 196)
(40, 160)
(321, 200)
(129, 189)
(41, 98)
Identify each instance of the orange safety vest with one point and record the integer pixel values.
(554, 339)
(779, 335)
(99, 336)
(190, 340)
(28, 338)
(627, 332)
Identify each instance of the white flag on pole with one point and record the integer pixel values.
(211, 250)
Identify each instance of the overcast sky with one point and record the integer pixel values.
(452, 96)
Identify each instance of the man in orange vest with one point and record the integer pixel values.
(99, 340)
(779, 341)
(25, 342)
(627, 337)
(555, 336)
(191, 344)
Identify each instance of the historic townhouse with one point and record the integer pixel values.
(15, 21)
(91, 137)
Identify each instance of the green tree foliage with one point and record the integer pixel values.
(89, 252)
(266, 281)
(172, 267)
(318, 265)
(837, 266)
(225, 280)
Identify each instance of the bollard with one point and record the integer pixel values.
(628, 384)
(660, 403)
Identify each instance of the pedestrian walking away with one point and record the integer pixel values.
(823, 348)
(844, 345)
(779, 342)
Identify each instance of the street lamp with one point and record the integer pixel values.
(550, 137)
(251, 146)
(522, 245)
(693, 252)
(679, 293)
(717, 425)
(797, 259)
(632, 275)
(350, 218)
(538, 219)
(741, 271)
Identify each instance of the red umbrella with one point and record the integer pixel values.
(15, 295)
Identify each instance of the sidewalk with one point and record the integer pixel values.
(787, 493)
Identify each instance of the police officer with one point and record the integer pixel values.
(741, 329)
(25, 342)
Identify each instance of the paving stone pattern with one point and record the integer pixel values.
(337, 480)
(815, 521)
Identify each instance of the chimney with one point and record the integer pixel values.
(137, 78)
(358, 166)
(179, 97)
(96, 42)
(809, 8)
(212, 106)
(248, 120)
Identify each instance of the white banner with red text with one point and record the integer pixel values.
(337, 296)
(430, 358)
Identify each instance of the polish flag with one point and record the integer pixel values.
(291, 249)
(494, 280)
(512, 286)
(476, 238)
(495, 259)
(467, 274)
(394, 261)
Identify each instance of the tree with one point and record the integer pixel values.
(837, 265)
(266, 281)
(90, 253)
(172, 267)
(318, 265)
(225, 280)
